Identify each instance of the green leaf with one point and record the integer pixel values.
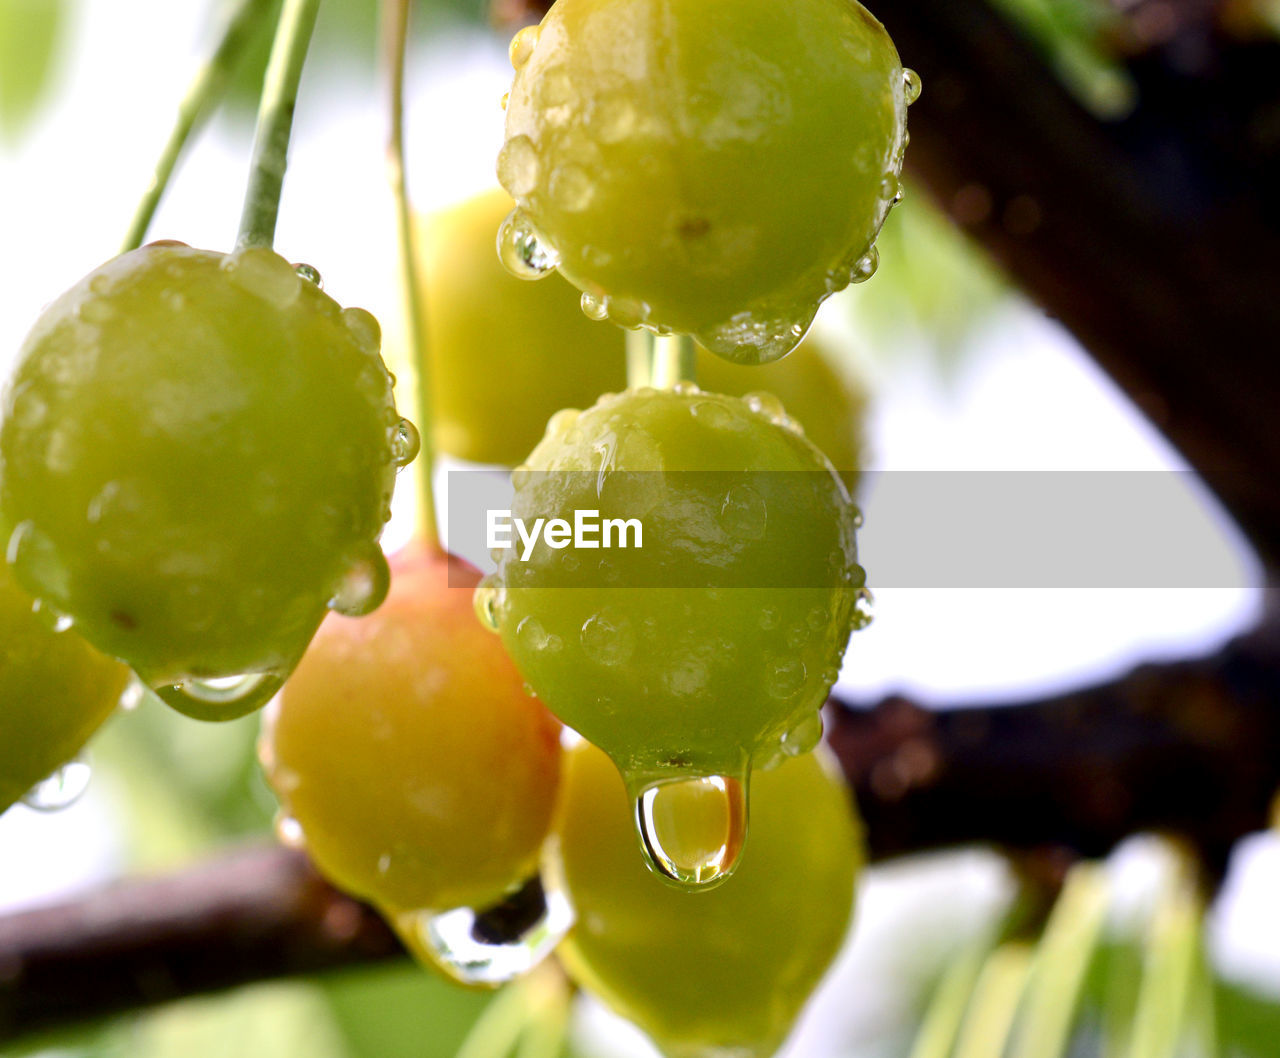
(30, 31)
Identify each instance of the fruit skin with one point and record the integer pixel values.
(55, 692)
(195, 448)
(724, 971)
(710, 167)
(699, 651)
(422, 774)
(506, 355)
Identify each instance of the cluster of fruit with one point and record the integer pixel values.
(197, 453)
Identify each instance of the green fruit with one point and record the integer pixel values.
(709, 167)
(504, 355)
(196, 459)
(723, 972)
(711, 647)
(421, 773)
(55, 691)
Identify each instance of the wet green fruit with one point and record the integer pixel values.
(709, 167)
(711, 646)
(55, 691)
(723, 972)
(198, 453)
(421, 773)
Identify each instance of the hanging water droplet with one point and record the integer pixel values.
(495, 945)
(863, 608)
(265, 274)
(61, 789)
(405, 443)
(289, 831)
(594, 307)
(522, 250)
(310, 273)
(220, 697)
(865, 266)
(522, 44)
(911, 85)
(518, 166)
(692, 830)
(363, 586)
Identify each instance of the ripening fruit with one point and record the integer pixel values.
(419, 772)
(705, 641)
(507, 355)
(55, 691)
(198, 454)
(709, 167)
(716, 973)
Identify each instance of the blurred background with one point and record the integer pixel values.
(964, 374)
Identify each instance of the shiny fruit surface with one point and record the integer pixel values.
(709, 167)
(420, 772)
(55, 691)
(721, 972)
(504, 354)
(717, 638)
(198, 454)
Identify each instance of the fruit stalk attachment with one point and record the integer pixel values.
(675, 360)
(203, 95)
(275, 123)
(395, 34)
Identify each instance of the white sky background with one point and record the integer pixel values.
(1027, 399)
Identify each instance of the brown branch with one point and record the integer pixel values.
(1192, 748)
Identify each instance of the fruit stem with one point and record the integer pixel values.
(639, 359)
(499, 1027)
(674, 360)
(203, 95)
(275, 123)
(395, 26)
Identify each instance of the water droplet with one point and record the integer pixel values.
(692, 830)
(310, 273)
(264, 273)
(364, 328)
(506, 99)
(571, 188)
(611, 118)
(522, 250)
(289, 831)
(766, 404)
(363, 586)
(786, 677)
(554, 87)
(743, 513)
(61, 789)
(221, 697)
(863, 608)
(768, 618)
(518, 166)
(857, 517)
(804, 737)
(608, 638)
(797, 636)
(495, 945)
(532, 635)
(890, 186)
(911, 85)
(685, 388)
(595, 307)
(522, 44)
(486, 601)
(628, 312)
(405, 442)
(712, 413)
(758, 338)
(865, 266)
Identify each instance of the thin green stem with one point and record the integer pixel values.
(1168, 979)
(203, 95)
(675, 359)
(395, 25)
(275, 123)
(639, 359)
(499, 1026)
(944, 1015)
(549, 996)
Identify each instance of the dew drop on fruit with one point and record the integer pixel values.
(310, 273)
(363, 586)
(911, 85)
(289, 831)
(264, 273)
(754, 338)
(692, 830)
(608, 638)
(891, 187)
(518, 166)
(863, 611)
(804, 737)
(594, 307)
(743, 513)
(405, 442)
(63, 788)
(865, 266)
(524, 253)
(486, 603)
(786, 675)
(221, 697)
(493, 945)
(522, 44)
(364, 328)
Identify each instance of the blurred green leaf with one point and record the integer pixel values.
(30, 31)
(1248, 1022)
